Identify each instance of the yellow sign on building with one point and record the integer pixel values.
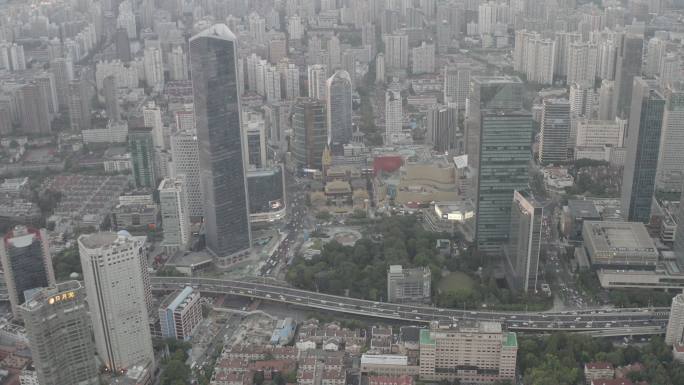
(69, 295)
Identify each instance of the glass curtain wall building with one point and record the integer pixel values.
(222, 164)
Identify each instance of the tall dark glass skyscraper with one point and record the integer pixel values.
(339, 108)
(25, 257)
(213, 54)
(489, 93)
(627, 67)
(505, 155)
(141, 147)
(310, 133)
(643, 149)
(501, 142)
(524, 246)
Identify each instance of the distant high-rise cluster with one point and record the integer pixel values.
(534, 56)
(236, 138)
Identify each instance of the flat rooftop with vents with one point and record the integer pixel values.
(619, 244)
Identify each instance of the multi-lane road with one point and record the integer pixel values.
(620, 321)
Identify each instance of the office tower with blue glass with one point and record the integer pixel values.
(27, 264)
(213, 54)
(310, 133)
(339, 108)
(524, 246)
(643, 150)
(503, 135)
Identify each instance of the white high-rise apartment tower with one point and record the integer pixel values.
(17, 58)
(114, 267)
(272, 83)
(334, 53)
(396, 51)
(252, 61)
(456, 85)
(541, 56)
(534, 56)
(670, 70)
(581, 63)
(295, 28)
(675, 324)
(486, 20)
(289, 75)
(154, 67)
(261, 68)
(152, 119)
(581, 106)
(563, 41)
(185, 155)
(393, 116)
(175, 214)
(423, 59)
(126, 19)
(671, 156)
(607, 55)
(257, 28)
(380, 68)
(581, 99)
(607, 100)
(5, 56)
(178, 64)
(655, 52)
(317, 78)
(63, 70)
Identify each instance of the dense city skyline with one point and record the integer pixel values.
(332, 192)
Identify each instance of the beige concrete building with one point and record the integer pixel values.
(619, 245)
(472, 352)
(387, 365)
(428, 182)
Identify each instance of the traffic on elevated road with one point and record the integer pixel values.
(579, 320)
